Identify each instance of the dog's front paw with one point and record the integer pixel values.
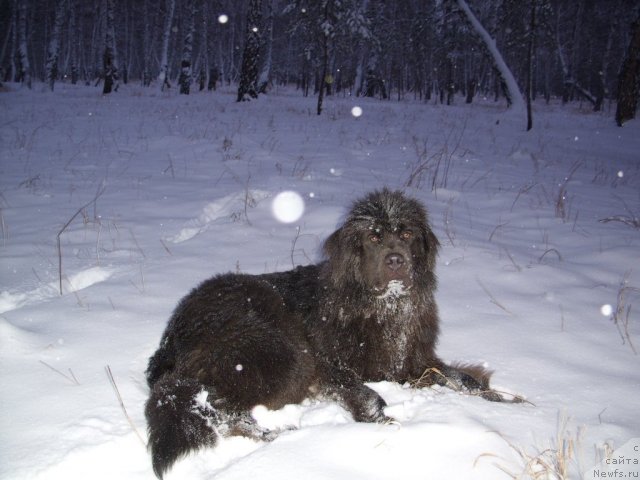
(491, 396)
(367, 406)
(383, 419)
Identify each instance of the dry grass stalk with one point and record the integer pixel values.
(124, 410)
(631, 219)
(447, 222)
(524, 189)
(620, 316)
(550, 463)
(513, 262)
(562, 211)
(100, 191)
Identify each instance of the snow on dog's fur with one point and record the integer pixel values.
(365, 314)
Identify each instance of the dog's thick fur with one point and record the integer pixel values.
(365, 314)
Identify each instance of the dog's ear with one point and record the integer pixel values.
(331, 247)
(431, 247)
(431, 243)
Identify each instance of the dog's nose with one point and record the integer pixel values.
(394, 261)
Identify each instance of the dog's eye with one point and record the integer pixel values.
(406, 234)
(373, 238)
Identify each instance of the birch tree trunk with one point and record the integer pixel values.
(629, 80)
(571, 85)
(531, 53)
(515, 100)
(13, 71)
(326, 30)
(323, 75)
(204, 46)
(53, 52)
(187, 47)
(24, 69)
(163, 77)
(74, 42)
(265, 73)
(251, 54)
(109, 62)
(146, 41)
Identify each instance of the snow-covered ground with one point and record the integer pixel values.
(177, 188)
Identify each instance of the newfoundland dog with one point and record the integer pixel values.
(365, 314)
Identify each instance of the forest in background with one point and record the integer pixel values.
(407, 49)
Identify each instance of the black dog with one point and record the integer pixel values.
(365, 314)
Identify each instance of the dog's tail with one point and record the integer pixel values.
(180, 419)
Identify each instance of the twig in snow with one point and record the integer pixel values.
(631, 219)
(72, 378)
(165, 247)
(247, 199)
(143, 288)
(493, 299)
(627, 220)
(135, 240)
(549, 250)
(513, 262)
(124, 410)
(170, 168)
(293, 247)
(3, 227)
(496, 229)
(447, 222)
(522, 190)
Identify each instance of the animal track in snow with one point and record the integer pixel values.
(223, 210)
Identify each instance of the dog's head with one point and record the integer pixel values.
(385, 245)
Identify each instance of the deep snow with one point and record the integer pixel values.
(183, 187)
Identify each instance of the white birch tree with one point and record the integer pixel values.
(629, 80)
(265, 72)
(53, 51)
(24, 69)
(251, 54)
(74, 42)
(12, 37)
(163, 77)
(187, 47)
(328, 30)
(202, 65)
(516, 100)
(109, 59)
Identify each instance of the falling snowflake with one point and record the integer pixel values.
(606, 310)
(287, 207)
